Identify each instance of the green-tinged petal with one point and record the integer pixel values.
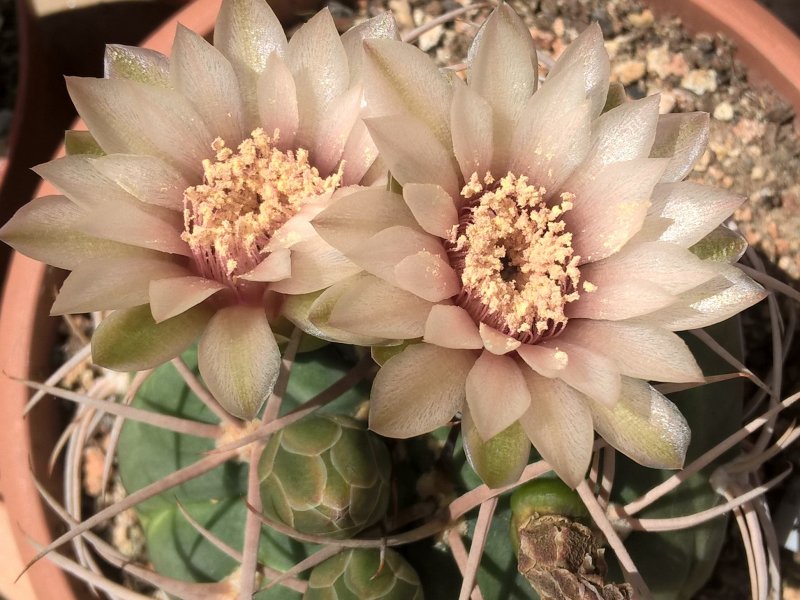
(721, 245)
(616, 96)
(500, 460)
(681, 137)
(239, 359)
(137, 64)
(311, 313)
(81, 142)
(48, 229)
(381, 354)
(644, 425)
(130, 340)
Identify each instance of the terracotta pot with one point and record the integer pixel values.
(769, 49)
(26, 332)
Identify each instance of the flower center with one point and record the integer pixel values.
(245, 197)
(514, 258)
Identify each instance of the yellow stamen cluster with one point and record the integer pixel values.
(518, 264)
(245, 197)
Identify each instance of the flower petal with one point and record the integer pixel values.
(559, 424)
(669, 266)
(723, 296)
(473, 136)
(503, 70)
(311, 313)
(620, 299)
(539, 148)
(496, 394)
(586, 59)
(103, 284)
(695, 210)
(120, 115)
(78, 179)
(639, 350)
(496, 342)
(48, 230)
(146, 178)
(610, 205)
(432, 207)
(204, 76)
(353, 219)
(626, 132)
(318, 62)
(418, 390)
(382, 26)
(359, 154)
(500, 460)
(412, 152)
(644, 426)
(401, 79)
(331, 130)
(137, 64)
(276, 266)
(381, 253)
(277, 101)
(452, 327)
(546, 361)
(175, 295)
(315, 265)
(239, 359)
(589, 372)
(428, 276)
(130, 340)
(247, 32)
(682, 138)
(372, 307)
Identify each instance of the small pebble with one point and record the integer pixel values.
(629, 71)
(700, 81)
(642, 19)
(757, 173)
(723, 111)
(402, 13)
(667, 103)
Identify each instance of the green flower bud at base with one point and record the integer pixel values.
(358, 575)
(325, 475)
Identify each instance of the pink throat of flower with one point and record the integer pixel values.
(245, 197)
(514, 257)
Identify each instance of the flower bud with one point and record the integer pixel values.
(357, 574)
(325, 475)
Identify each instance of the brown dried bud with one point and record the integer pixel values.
(562, 560)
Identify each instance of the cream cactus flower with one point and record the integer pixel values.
(540, 249)
(192, 215)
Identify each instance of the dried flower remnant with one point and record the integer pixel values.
(190, 214)
(541, 250)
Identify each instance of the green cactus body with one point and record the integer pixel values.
(325, 475)
(357, 575)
